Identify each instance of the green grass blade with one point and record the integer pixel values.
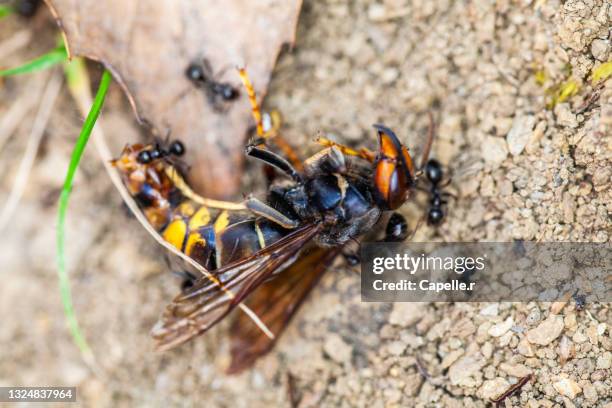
(45, 61)
(6, 10)
(64, 282)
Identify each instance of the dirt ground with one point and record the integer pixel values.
(521, 170)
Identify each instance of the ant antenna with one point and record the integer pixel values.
(430, 136)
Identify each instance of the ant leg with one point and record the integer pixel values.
(255, 111)
(275, 119)
(208, 71)
(222, 71)
(274, 160)
(364, 153)
(451, 195)
(264, 210)
(428, 143)
(445, 182)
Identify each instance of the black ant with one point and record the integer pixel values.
(175, 148)
(435, 174)
(580, 301)
(27, 8)
(201, 75)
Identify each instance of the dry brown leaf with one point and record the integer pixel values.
(148, 45)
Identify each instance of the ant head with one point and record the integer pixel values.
(433, 171)
(229, 93)
(194, 72)
(435, 216)
(144, 157)
(394, 173)
(176, 148)
(139, 168)
(137, 163)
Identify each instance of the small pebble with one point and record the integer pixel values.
(600, 49)
(451, 357)
(591, 333)
(525, 348)
(519, 134)
(547, 331)
(565, 116)
(516, 370)
(589, 392)
(491, 309)
(579, 337)
(500, 329)
(492, 389)
(567, 350)
(604, 362)
(467, 371)
(567, 387)
(494, 150)
(337, 349)
(407, 314)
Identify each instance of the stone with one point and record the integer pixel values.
(567, 387)
(494, 150)
(557, 307)
(589, 392)
(547, 331)
(591, 333)
(467, 371)
(407, 314)
(515, 370)
(377, 12)
(337, 349)
(396, 348)
(601, 329)
(567, 350)
(487, 350)
(565, 116)
(490, 310)
(600, 49)
(525, 348)
(579, 337)
(570, 321)
(604, 361)
(492, 389)
(451, 357)
(500, 329)
(519, 134)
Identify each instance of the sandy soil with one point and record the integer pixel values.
(520, 171)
